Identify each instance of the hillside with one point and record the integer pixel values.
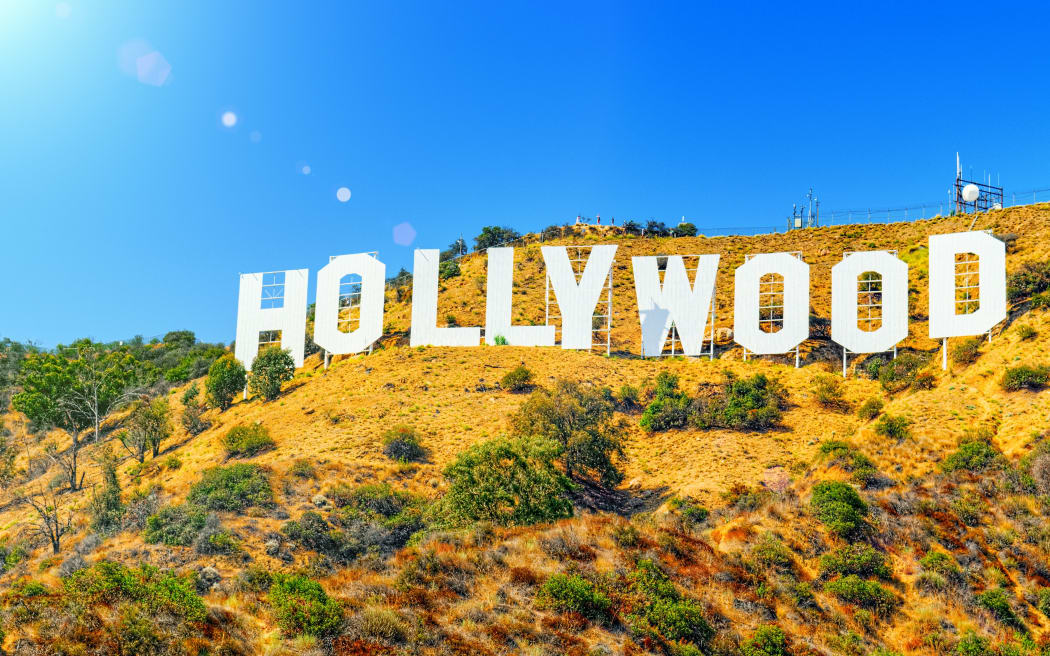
(711, 543)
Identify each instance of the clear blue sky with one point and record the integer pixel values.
(129, 208)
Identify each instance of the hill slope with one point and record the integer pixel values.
(764, 556)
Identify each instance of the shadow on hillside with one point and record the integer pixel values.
(621, 501)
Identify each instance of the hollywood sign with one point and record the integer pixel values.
(687, 305)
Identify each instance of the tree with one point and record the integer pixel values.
(494, 236)
(51, 523)
(507, 481)
(657, 229)
(150, 425)
(631, 228)
(76, 389)
(685, 230)
(454, 250)
(579, 419)
(106, 508)
(193, 411)
(270, 368)
(11, 356)
(226, 377)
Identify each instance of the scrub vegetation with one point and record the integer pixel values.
(513, 500)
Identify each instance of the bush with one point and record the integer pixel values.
(302, 468)
(1025, 332)
(193, 412)
(301, 605)
(507, 481)
(402, 444)
(975, 454)
(899, 373)
(226, 377)
(578, 418)
(272, 367)
(941, 563)
(246, 441)
(997, 602)
(150, 589)
(381, 624)
(870, 409)
(771, 551)
(867, 594)
(1025, 377)
(860, 559)
(106, 508)
(966, 351)
(893, 427)
(924, 380)
(768, 640)
(448, 269)
(517, 380)
(828, 391)
(838, 506)
(499, 340)
(573, 593)
(1033, 278)
(627, 399)
(664, 612)
(176, 526)
(753, 403)
(969, 508)
(689, 509)
(233, 488)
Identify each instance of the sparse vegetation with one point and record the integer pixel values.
(966, 351)
(893, 427)
(828, 392)
(232, 488)
(870, 409)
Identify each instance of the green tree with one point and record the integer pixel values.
(270, 368)
(106, 508)
(150, 425)
(579, 419)
(494, 236)
(226, 377)
(507, 481)
(75, 389)
(685, 230)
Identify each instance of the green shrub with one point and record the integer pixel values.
(665, 613)
(997, 602)
(1025, 332)
(233, 488)
(106, 508)
(975, 454)
(579, 419)
(899, 373)
(499, 340)
(192, 417)
(966, 351)
(1031, 279)
(246, 441)
(972, 644)
(870, 409)
(753, 403)
(969, 508)
(226, 377)
(272, 367)
(893, 427)
(772, 552)
(858, 558)
(1025, 377)
(669, 407)
(769, 640)
(107, 582)
(689, 509)
(1043, 603)
(518, 379)
(507, 481)
(172, 462)
(448, 269)
(301, 605)
(838, 506)
(828, 392)
(627, 398)
(174, 525)
(867, 594)
(402, 444)
(302, 468)
(573, 593)
(941, 563)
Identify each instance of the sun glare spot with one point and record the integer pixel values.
(306, 169)
(63, 10)
(343, 194)
(229, 119)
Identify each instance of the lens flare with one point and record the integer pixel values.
(343, 194)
